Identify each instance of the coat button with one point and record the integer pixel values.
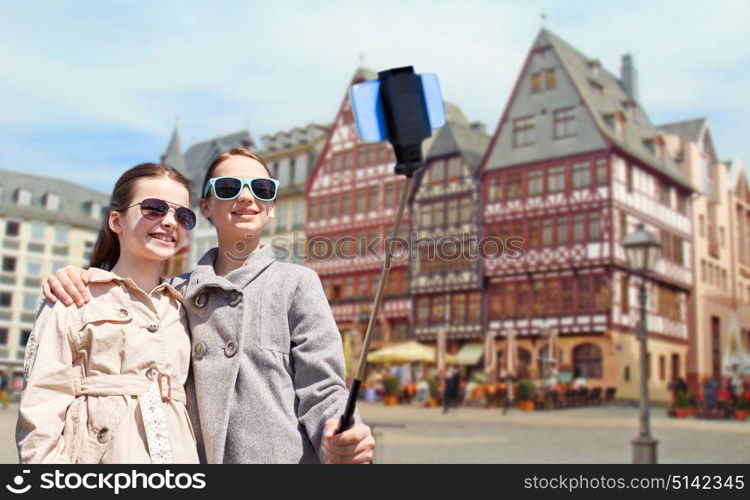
(123, 313)
(199, 350)
(230, 349)
(151, 374)
(152, 327)
(201, 300)
(235, 298)
(103, 435)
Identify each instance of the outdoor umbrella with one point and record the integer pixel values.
(409, 352)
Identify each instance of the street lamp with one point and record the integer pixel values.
(641, 250)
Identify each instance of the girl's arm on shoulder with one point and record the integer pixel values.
(48, 385)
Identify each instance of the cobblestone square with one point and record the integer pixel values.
(409, 434)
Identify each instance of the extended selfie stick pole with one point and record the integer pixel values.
(401, 97)
(347, 419)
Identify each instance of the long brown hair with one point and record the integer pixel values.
(224, 157)
(107, 247)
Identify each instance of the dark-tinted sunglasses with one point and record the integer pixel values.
(155, 209)
(229, 188)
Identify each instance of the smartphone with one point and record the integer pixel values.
(368, 107)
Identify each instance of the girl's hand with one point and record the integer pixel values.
(68, 285)
(353, 446)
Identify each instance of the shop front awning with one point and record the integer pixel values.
(470, 354)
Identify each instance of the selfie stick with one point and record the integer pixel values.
(406, 120)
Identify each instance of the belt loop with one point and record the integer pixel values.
(161, 388)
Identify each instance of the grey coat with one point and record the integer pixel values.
(267, 361)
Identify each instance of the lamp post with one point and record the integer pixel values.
(641, 249)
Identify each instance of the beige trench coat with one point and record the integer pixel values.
(105, 383)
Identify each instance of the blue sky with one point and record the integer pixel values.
(90, 88)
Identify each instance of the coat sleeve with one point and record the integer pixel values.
(48, 386)
(318, 357)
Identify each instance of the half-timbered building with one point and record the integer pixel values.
(352, 195)
(573, 166)
(445, 279)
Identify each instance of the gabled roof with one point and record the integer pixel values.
(691, 130)
(458, 136)
(173, 155)
(587, 74)
(738, 171)
(74, 206)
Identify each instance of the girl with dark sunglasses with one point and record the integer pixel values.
(105, 383)
(268, 367)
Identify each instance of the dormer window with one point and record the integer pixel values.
(543, 80)
(23, 197)
(94, 210)
(597, 88)
(616, 122)
(52, 201)
(595, 67)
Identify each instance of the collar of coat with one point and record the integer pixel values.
(102, 276)
(204, 274)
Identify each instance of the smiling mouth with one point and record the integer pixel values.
(162, 237)
(245, 212)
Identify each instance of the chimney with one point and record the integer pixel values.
(629, 76)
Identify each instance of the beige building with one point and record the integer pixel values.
(291, 155)
(739, 230)
(717, 242)
(45, 224)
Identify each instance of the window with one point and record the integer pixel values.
(52, 201)
(515, 185)
(362, 155)
(6, 299)
(37, 230)
(346, 204)
(474, 307)
(312, 210)
(535, 233)
(33, 268)
(284, 173)
(495, 189)
(702, 225)
(587, 360)
(300, 169)
(437, 173)
(25, 334)
(9, 264)
(23, 197)
(30, 301)
(549, 79)
(584, 294)
(363, 284)
(581, 175)
(602, 294)
(374, 193)
(547, 232)
(556, 179)
(361, 201)
(595, 226)
(564, 123)
(454, 169)
(662, 368)
(322, 209)
(298, 214)
(562, 229)
(3, 336)
(467, 210)
(578, 233)
(437, 310)
(663, 194)
(536, 83)
(629, 177)
(61, 235)
(523, 132)
(282, 221)
(12, 228)
(423, 310)
(624, 295)
(537, 299)
(458, 309)
(601, 171)
(682, 204)
(390, 191)
(536, 182)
